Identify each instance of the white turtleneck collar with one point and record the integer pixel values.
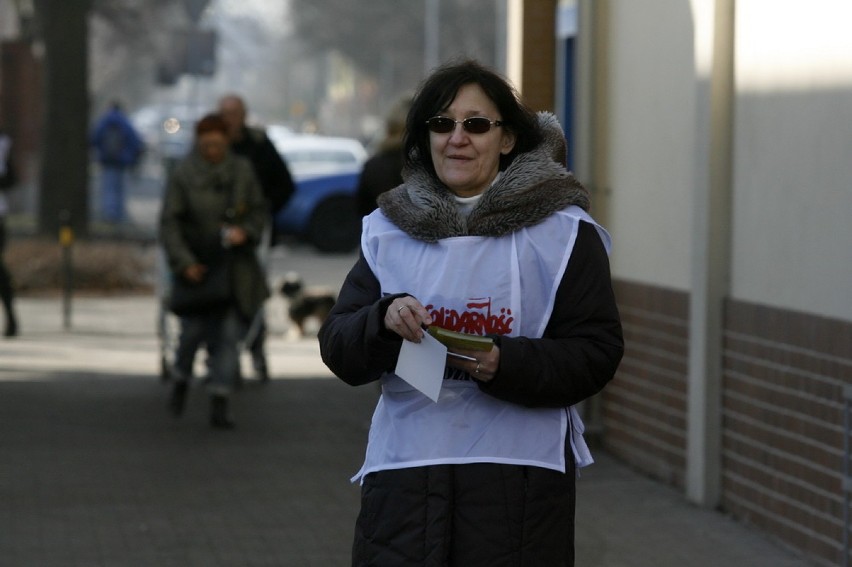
(466, 204)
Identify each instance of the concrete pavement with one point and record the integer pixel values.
(93, 471)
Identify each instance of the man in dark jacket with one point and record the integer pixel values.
(277, 185)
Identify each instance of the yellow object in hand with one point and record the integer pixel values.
(460, 340)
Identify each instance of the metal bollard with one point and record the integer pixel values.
(66, 240)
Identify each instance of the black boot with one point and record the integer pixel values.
(219, 417)
(11, 323)
(261, 371)
(178, 401)
(11, 327)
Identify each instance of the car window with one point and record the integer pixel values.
(321, 156)
(310, 156)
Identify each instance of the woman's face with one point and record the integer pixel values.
(213, 146)
(468, 163)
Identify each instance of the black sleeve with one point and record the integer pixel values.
(366, 201)
(582, 344)
(353, 340)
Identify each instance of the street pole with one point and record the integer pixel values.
(66, 239)
(432, 34)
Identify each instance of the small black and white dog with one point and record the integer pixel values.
(308, 307)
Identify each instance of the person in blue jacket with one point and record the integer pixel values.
(118, 147)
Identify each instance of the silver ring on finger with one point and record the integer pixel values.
(401, 308)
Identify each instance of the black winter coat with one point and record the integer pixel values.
(483, 514)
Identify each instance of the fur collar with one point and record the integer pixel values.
(534, 186)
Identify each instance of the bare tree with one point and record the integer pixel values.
(64, 163)
(63, 30)
(385, 38)
(126, 43)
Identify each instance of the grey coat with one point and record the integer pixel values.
(199, 199)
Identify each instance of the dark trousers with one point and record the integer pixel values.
(257, 345)
(219, 332)
(471, 515)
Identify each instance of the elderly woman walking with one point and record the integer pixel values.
(212, 218)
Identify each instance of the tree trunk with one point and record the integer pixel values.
(64, 164)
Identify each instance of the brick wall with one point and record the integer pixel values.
(784, 374)
(644, 407)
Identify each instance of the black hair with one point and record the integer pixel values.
(439, 90)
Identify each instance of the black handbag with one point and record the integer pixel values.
(211, 293)
(214, 291)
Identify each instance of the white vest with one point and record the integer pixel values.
(482, 285)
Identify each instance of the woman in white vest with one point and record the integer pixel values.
(488, 235)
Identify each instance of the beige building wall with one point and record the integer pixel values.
(649, 139)
(791, 149)
(793, 156)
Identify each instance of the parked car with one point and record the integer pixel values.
(323, 212)
(276, 132)
(323, 209)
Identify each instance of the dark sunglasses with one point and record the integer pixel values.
(474, 125)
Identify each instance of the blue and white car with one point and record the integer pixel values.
(323, 207)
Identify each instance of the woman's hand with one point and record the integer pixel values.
(194, 273)
(482, 368)
(406, 317)
(235, 235)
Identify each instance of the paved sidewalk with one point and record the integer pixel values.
(94, 472)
